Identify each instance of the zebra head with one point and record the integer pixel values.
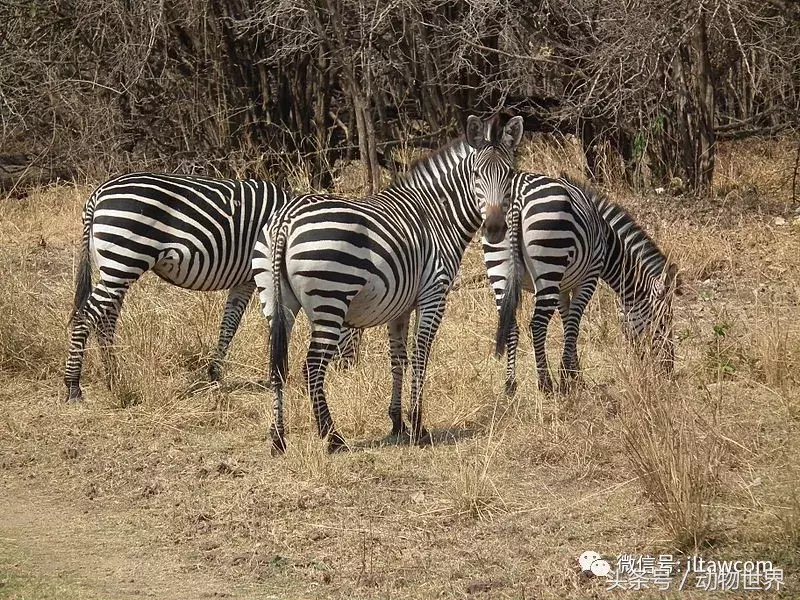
(650, 320)
(492, 170)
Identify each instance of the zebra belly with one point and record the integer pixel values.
(195, 270)
(364, 299)
(374, 305)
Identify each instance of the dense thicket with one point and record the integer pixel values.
(265, 86)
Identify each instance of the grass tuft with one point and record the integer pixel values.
(673, 450)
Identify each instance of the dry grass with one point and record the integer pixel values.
(674, 451)
(178, 495)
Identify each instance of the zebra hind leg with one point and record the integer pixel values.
(79, 334)
(108, 315)
(569, 360)
(320, 353)
(398, 356)
(346, 356)
(235, 305)
(543, 311)
(570, 368)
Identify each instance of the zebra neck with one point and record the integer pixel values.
(620, 273)
(632, 259)
(446, 201)
(460, 221)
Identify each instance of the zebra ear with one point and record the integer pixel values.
(475, 132)
(512, 133)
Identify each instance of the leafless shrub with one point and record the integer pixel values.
(237, 87)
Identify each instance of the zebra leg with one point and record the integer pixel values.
(106, 324)
(572, 324)
(398, 356)
(235, 305)
(347, 350)
(99, 313)
(542, 313)
(428, 320)
(511, 360)
(321, 351)
(564, 300)
(277, 431)
(79, 333)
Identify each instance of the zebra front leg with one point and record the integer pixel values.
(428, 320)
(398, 357)
(106, 331)
(235, 305)
(543, 311)
(320, 352)
(570, 369)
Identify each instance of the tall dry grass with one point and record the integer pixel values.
(674, 451)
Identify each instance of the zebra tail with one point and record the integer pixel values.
(511, 296)
(83, 281)
(279, 340)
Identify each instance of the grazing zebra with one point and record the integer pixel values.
(367, 262)
(568, 236)
(194, 232)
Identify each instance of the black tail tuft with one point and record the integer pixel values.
(278, 339)
(278, 345)
(83, 281)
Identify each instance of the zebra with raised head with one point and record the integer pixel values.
(194, 232)
(366, 262)
(567, 237)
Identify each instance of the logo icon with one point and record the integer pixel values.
(593, 564)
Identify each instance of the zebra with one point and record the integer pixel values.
(567, 237)
(367, 262)
(194, 232)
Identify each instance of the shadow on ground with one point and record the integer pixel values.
(446, 436)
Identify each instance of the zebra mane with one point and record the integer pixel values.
(437, 161)
(635, 240)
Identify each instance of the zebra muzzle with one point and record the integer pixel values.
(494, 227)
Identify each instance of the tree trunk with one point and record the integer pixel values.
(705, 142)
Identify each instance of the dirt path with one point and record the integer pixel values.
(49, 549)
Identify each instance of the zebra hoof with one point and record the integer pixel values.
(336, 443)
(74, 395)
(511, 388)
(546, 386)
(398, 427)
(400, 434)
(214, 372)
(423, 438)
(278, 445)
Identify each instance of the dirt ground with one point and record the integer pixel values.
(178, 496)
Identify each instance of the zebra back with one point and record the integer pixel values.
(195, 232)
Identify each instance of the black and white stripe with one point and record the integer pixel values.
(366, 262)
(194, 232)
(567, 237)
